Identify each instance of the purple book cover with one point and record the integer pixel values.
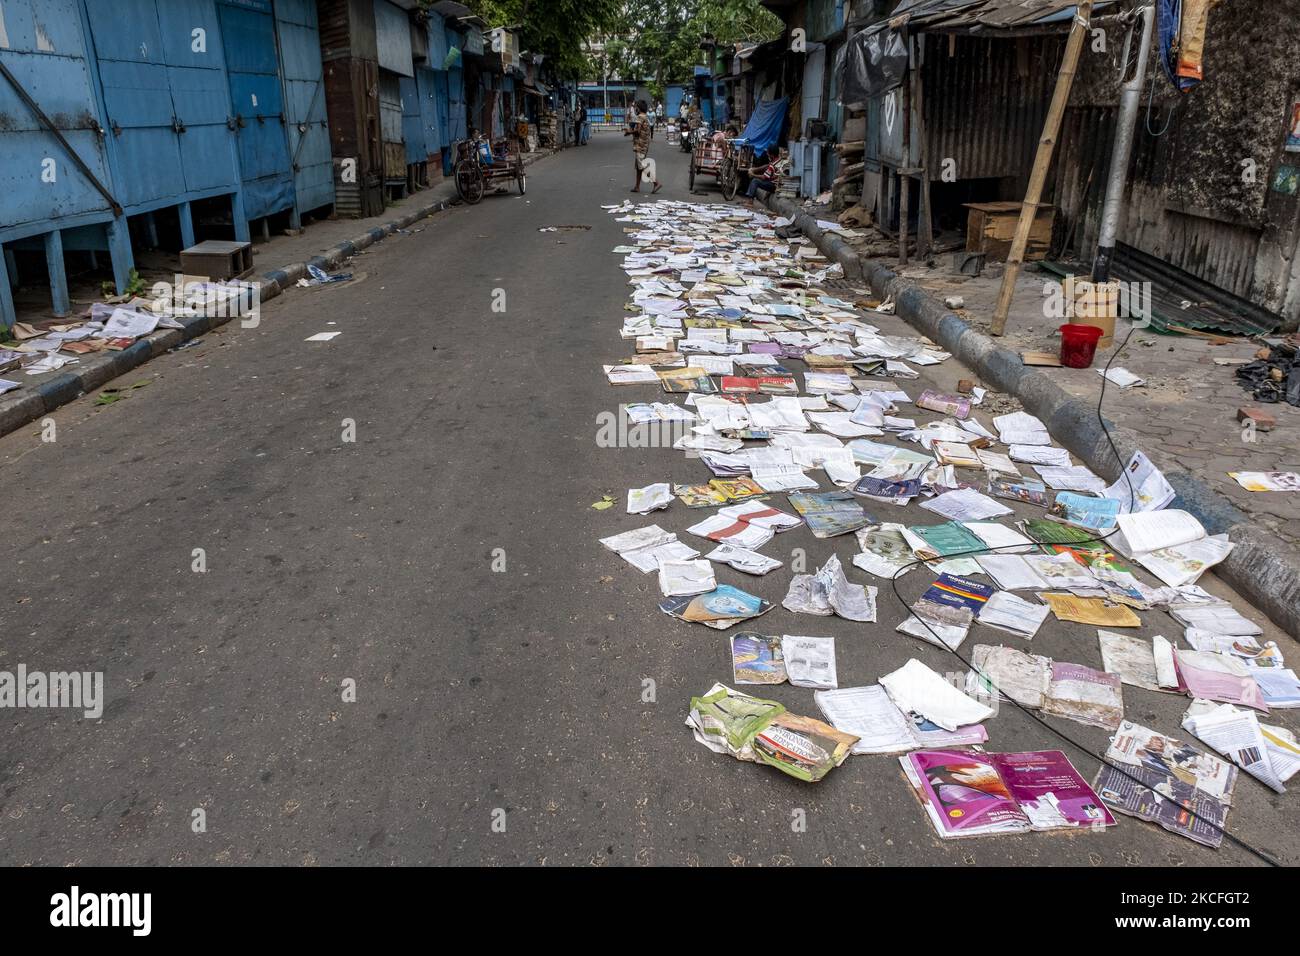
(1050, 791)
(965, 791)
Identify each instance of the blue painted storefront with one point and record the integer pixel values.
(140, 91)
(166, 96)
(45, 197)
(304, 105)
(257, 105)
(165, 103)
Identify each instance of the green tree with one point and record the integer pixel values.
(664, 35)
(556, 29)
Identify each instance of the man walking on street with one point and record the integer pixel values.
(639, 130)
(580, 124)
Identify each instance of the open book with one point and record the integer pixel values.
(968, 793)
(1170, 544)
(1152, 530)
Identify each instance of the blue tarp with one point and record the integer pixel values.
(764, 126)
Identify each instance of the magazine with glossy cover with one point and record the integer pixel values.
(969, 793)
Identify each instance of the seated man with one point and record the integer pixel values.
(763, 175)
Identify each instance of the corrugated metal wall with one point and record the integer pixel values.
(1081, 168)
(393, 36)
(257, 104)
(46, 50)
(985, 103)
(413, 133)
(351, 76)
(430, 110)
(390, 124)
(304, 103)
(167, 101)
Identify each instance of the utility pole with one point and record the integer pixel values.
(1130, 100)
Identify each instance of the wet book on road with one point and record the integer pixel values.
(969, 793)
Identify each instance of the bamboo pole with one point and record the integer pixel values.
(904, 180)
(924, 227)
(1038, 176)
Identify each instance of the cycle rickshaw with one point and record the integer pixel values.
(480, 161)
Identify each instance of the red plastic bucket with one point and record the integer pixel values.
(1079, 344)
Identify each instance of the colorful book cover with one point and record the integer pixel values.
(803, 747)
(1084, 511)
(949, 538)
(954, 405)
(1046, 531)
(723, 604)
(734, 384)
(1050, 792)
(885, 488)
(757, 659)
(1029, 492)
(699, 496)
(953, 591)
(737, 489)
(830, 513)
(963, 793)
(777, 385)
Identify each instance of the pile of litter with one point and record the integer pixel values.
(725, 304)
(111, 327)
(1275, 378)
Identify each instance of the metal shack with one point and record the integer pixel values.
(393, 43)
(457, 104)
(167, 103)
(350, 58)
(151, 76)
(55, 180)
(435, 97)
(257, 107)
(306, 122)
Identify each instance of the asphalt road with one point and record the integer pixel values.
(477, 690)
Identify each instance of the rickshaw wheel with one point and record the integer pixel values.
(469, 181)
(730, 179)
(692, 174)
(521, 179)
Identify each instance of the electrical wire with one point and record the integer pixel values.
(893, 584)
(1151, 99)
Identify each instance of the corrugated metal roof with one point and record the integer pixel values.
(1179, 300)
(993, 14)
(449, 8)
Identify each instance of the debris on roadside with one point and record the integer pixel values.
(1266, 480)
(1159, 779)
(1274, 376)
(725, 309)
(762, 731)
(320, 277)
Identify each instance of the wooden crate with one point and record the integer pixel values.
(1092, 303)
(991, 227)
(218, 259)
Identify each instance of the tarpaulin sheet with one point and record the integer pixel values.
(764, 126)
(874, 63)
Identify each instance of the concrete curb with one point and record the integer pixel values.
(25, 405)
(1261, 566)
